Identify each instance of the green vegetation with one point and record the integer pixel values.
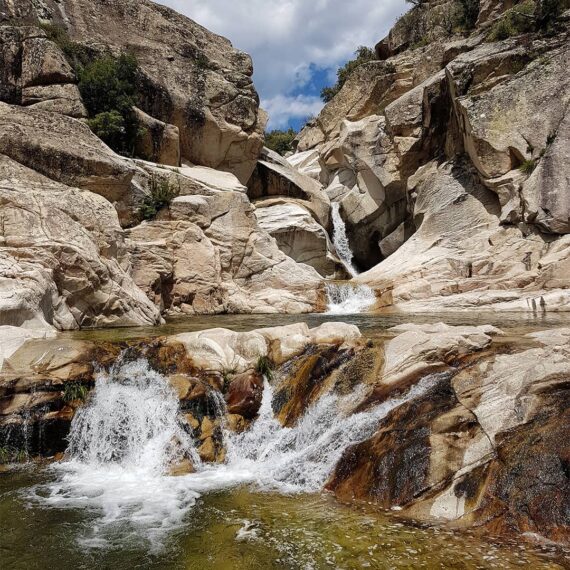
(108, 88)
(77, 54)
(10, 454)
(264, 367)
(528, 166)
(75, 391)
(517, 20)
(363, 55)
(528, 16)
(162, 192)
(547, 11)
(468, 13)
(280, 141)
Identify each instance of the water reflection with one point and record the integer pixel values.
(371, 325)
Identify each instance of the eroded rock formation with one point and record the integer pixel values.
(67, 261)
(483, 445)
(461, 142)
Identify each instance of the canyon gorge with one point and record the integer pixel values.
(208, 349)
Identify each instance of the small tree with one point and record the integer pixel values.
(469, 13)
(363, 55)
(280, 141)
(108, 89)
(547, 11)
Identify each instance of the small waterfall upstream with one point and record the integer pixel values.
(340, 240)
(348, 299)
(129, 432)
(345, 298)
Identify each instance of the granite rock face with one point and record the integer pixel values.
(200, 250)
(493, 115)
(482, 448)
(190, 78)
(206, 253)
(63, 257)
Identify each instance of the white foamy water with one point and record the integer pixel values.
(348, 299)
(125, 438)
(121, 445)
(340, 240)
(301, 458)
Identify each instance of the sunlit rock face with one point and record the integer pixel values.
(190, 78)
(63, 257)
(201, 250)
(493, 115)
(207, 253)
(484, 446)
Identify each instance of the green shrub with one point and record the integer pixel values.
(109, 127)
(108, 88)
(469, 12)
(415, 25)
(363, 55)
(264, 367)
(280, 141)
(10, 454)
(75, 391)
(547, 11)
(77, 54)
(516, 21)
(528, 166)
(162, 192)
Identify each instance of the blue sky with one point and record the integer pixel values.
(296, 45)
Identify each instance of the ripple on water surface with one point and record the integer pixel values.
(243, 529)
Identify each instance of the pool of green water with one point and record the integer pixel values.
(243, 529)
(371, 325)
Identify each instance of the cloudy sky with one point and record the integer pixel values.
(296, 45)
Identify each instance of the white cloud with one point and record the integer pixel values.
(281, 108)
(285, 36)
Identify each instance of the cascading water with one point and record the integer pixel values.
(131, 421)
(344, 298)
(340, 240)
(121, 445)
(123, 441)
(301, 458)
(348, 299)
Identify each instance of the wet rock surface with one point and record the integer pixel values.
(482, 445)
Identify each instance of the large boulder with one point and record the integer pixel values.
(298, 235)
(545, 193)
(36, 72)
(190, 77)
(63, 260)
(460, 257)
(64, 150)
(157, 141)
(480, 444)
(274, 177)
(205, 253)
(244, 394)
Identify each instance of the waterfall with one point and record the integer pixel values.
(348, 299)
(340, 240)
(132, 421)
(344, 298)
(129, 432)
(301, 458)
(121, 445)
